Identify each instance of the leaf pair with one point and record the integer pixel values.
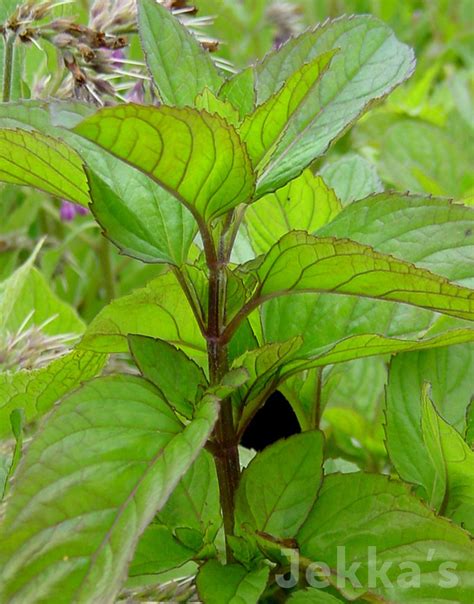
(348, 528)
(102, 466)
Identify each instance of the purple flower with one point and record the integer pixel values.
(136, 94)
(70, 210)
(117, 54)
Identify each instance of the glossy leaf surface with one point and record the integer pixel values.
(197, 157)
(305, 203)
(299, 262)
(36, 160)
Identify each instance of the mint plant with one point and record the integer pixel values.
(267, 281)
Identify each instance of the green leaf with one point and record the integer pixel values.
(142, 219)
(134, 234)
(159, 310)
(158, 551)
(362, 382)
(280, 485)
(300, 262)
(450, 372)
(240, 92)
(175, 375)
(45, 117)
(26, 295)
(194, 505)
(305, 203)
(180, 66)
(453, 463)
(364, 31)
(35, 391)
(312, 596)
(199, 486)
(358, 347)
(422, 157)
(303, 391)
(139, 205)
(405, 225)
(470, 425)
(355, 436)
(430, 429)
(197, 157)
(92, 480)
(263, 129)
(230, 584)
(371, 62)
(375, 524)
(233, 379)
(17, 425)
(36, 160)
(408, 227)
(339, 465)
(352, 177)
(214, 105)
(7, 9)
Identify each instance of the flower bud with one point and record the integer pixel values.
(69, 211)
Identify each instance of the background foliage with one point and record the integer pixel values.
(58, 273)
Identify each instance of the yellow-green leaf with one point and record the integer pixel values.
(305, 203)
(262, 129)
(197, 157)
(302, 263)
(453, 465)
(36, 160)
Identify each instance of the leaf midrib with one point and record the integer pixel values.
(329, 103)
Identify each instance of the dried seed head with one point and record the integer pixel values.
(86, 53)
(103, 87)
(107, 15)
(287, 19)
(179, 6)
(31, 348)
(61, 25)
(63, 40)
(39, 11)
(28, 34)
(71, 65)
(210, 45)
